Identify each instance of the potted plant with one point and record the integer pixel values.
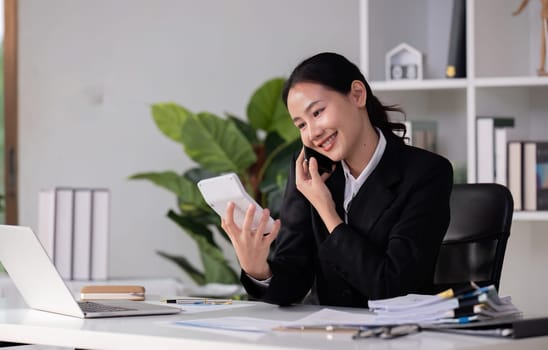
(258, 149)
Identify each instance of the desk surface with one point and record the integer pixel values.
(149, 332)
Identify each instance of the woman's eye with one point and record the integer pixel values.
(301, 125)
(317, 112)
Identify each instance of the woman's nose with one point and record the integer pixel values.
(314, 131)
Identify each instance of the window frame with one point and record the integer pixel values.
(10, 112)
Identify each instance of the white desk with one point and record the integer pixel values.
(152, 332)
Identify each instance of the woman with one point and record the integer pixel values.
(372, 227)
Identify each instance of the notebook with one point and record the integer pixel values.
(42, 288)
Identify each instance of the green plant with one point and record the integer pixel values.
(258, 150)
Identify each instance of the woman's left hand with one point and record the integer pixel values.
(251, 246)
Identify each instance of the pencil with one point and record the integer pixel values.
(198, 301)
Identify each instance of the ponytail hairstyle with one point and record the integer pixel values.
(336, 73)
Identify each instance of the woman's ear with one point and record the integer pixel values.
(358, 93)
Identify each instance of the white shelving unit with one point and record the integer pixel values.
(502, 58)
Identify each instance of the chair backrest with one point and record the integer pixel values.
(474, 245)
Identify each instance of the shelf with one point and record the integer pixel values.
(511, 82)
(441, 84)
(530, 216)
(501, 77)
(425, 84)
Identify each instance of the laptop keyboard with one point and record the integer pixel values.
(89, 306)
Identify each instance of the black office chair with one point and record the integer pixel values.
(474, 245)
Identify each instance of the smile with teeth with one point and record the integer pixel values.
(329, 141)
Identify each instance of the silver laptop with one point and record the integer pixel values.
(36, 278)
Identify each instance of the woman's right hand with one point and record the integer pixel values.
(312, 185)
(251, 246)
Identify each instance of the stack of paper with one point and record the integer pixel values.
(452, 306)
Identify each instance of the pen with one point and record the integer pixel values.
(477, 291)
(478, 299)
(453, 292)
(326, 328)
(469, 310)
(199, 301)
(461, 320)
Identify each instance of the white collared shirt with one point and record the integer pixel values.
(352, 184)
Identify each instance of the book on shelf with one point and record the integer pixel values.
(535, 175)
(100, 234)
(422, 134)
(456, 58)
(82, 234)
(515, 172)
(491, 157)
(64, 221)
(46, 220)
(501, 155)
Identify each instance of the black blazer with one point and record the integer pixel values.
(389, 246)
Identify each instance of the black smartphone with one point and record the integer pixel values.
(325, 164)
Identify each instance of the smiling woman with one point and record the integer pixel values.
(372, 227)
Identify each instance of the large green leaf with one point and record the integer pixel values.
(272, 142)
(207, 216)
(189, 197)
(193, 227)
(266, 110)
(276, 171)
(197, 276)
(169, 118)
(216, 267)
(197, 174)
(249, 132)
(216, 144)
(169, 180)
(278, 163)
(222, 232)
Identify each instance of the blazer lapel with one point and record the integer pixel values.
(377, 192)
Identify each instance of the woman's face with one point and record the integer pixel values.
(329, 122)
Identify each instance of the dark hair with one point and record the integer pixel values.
(337, 73)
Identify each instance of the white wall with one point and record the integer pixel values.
(89, 70)
(524, 268)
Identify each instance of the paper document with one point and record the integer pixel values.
(240, 324)
(199, 308)
(431, 311)
(322, 318)
(331, 317)
(476, 304)
(406, 302)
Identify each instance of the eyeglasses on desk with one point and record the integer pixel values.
(387, 332)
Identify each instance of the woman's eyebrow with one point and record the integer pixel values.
(311, 105)
(307, 109)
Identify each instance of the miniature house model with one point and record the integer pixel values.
(403, 62)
